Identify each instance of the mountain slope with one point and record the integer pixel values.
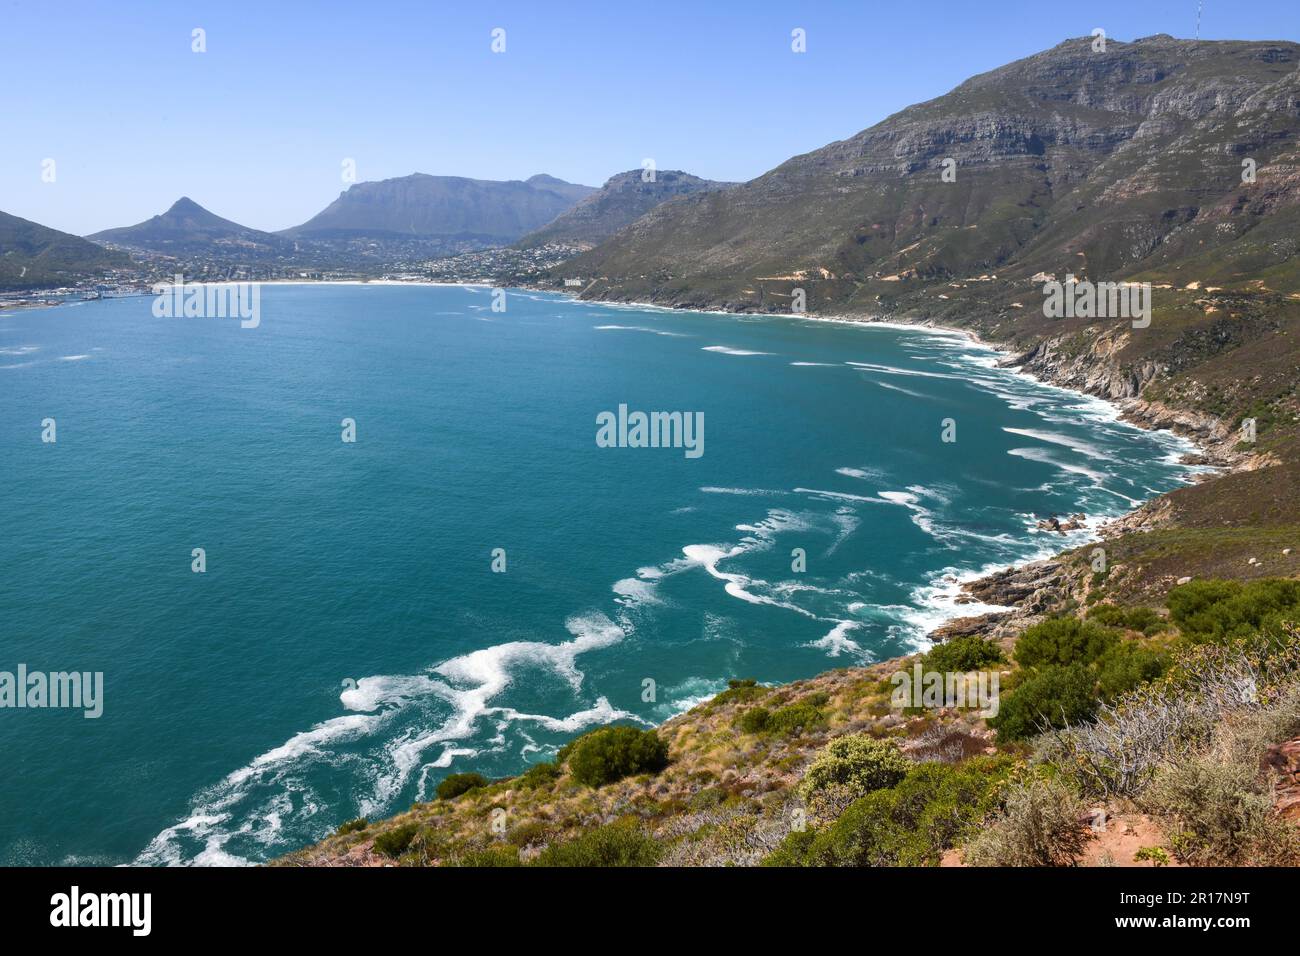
(1107, 164)
(621, 201)
(33, 256)
(420, 206)
(189, 229)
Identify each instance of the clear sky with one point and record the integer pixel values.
(257, 128)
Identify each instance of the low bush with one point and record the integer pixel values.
(1041, 699)
(1231, 701)
(611, 753)
(739, 691)
(793, 718)
(458, 783)
(1222, 815)
(1037, 825)
(1143, 619)
(707, 798)
(540, 775)
(496, 855)
(796, 718)
(754, 720)
(969, 652)
(909, 824)
(1127, 665)
(1063, 641)
(617, 844)
(1219, 611)
(394, 842)
(528, 833)
(1157, 856)
(353, 826)
(857, 762)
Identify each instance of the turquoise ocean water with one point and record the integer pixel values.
(349, 644)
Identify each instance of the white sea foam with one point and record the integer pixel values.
(894, 370)
(639, 328)
(899, 388)
(762, 492)
(863, 473)
(1045, 457)
(239, 807)
(838, 642)
(1055, 438)
(636, 592)
(727, 350)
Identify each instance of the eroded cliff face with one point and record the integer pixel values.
(1101, 369)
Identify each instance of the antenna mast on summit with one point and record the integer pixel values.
(1200, 4)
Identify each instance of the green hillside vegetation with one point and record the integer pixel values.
(33, 256)
(1161, 717)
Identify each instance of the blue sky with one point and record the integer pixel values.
(256, 128)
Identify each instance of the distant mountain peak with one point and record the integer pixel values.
(185, 206)
(624, 198)
(188, 228)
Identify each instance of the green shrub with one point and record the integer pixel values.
(1038, 825)
(790, 719)
(458, 783)
(616, 844)
(969, 652)
(353, 826)
(754, 720)
(796, 718)
(1142, 619)
(395, 841)
(739, 691)
(528, 832)
(857, 762)
(911, 824)
(540, 775)
(611, 753)
(497, 855)
(1049, 697)
(1062, 641)
(799, 848)
(707, 798)
(1128, 664)
(1156, 855)
(1220, 611)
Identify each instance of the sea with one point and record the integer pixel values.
(295, 629)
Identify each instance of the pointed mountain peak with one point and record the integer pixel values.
(186, 206)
